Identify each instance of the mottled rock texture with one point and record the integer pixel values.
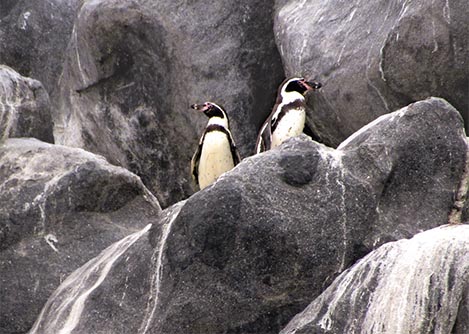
(133, 68)
(248, 253)
(24, 107)
(34, 36)
(374, 57)
(59, 208)
(415, 286)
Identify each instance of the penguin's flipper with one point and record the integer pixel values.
(196, 160)
(264, 138)
(234, 149)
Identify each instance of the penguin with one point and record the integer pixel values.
(217, 152)
(288, 115)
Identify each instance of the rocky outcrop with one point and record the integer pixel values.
(34, 36)
(24, 107)
(409, 286)
(374, 57)
(248, 253)
(60, 208)
(133, 69)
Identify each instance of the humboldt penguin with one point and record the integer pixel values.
(288, 116)
(217, 152)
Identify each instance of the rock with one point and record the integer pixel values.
(60, 207)
(133, 69)
(406, 186)
(409, 286)
(24, 107)
(123, 308)
(374, 57)
(34, 36)
(249, 252)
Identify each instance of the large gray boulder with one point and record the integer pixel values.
(414, 286)
(34, 36)
(133, 69)
(24, 107)
(60, 207)
(374, 57)
(248, 253)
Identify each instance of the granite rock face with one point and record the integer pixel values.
(24, 107)
(133, 69)
(34, 36)
(409, 286)
(374, 57)
(60, 207)
(248, 253)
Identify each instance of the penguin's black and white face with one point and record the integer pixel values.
(210, 109)
(300, 85)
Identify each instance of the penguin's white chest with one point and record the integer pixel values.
(290, 125)
(215, 159)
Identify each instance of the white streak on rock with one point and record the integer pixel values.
(416, 275)
(41, 199)
(26, 16)
(381, 60)
(367, 68)
(51, 239)
(403, 287)
(447, 12)
(303, 48)
(334, 158)
(68, 301)
(77, 53)
(352, 14)
(157, 258)
(403, 10)
(126, 284)
(435, 42)
(10, 100)
(455, 216)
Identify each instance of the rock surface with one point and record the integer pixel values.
(123, 308)
(374, 57)
(60, 207)
(133, 69)
(251, 251)
(24, 107)
(409, 286)
(34, 36)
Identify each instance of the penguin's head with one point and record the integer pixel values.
(299, 85)
(214, 112)
(210, 109)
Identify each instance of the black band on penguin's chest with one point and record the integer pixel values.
(285, 109)
(216, 127)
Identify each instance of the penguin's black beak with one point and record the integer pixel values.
(313, 85)
(201, 107)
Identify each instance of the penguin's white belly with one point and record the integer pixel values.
(291, 125)
(215, 159)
